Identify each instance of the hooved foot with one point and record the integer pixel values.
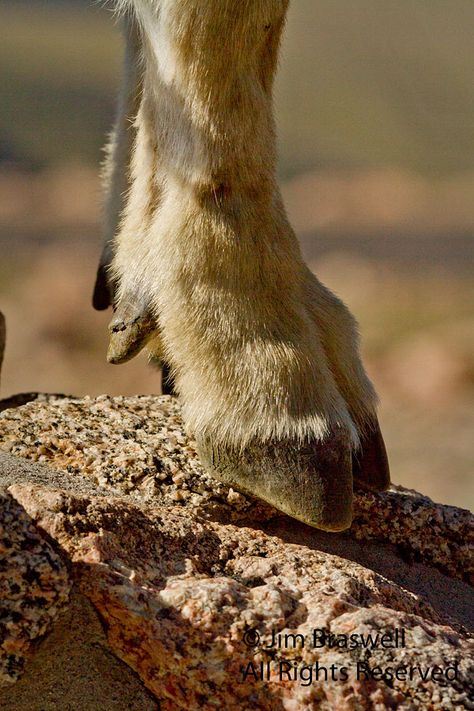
(130, 330)
(311, 482)
(370, 466)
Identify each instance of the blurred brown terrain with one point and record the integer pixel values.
(376, 126)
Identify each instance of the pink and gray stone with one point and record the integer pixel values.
(188, 595)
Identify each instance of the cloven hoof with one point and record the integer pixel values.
(311, 482)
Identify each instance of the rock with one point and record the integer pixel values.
(74, 669)
(211, 598)
(34, 586)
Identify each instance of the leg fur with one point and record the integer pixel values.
(129, 172)
(133, 324)
(264, 356)
(116, 174)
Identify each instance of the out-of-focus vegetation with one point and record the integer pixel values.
(375, 105)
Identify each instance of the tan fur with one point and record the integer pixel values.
(259, 348)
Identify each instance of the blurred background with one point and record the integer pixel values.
(375, 109)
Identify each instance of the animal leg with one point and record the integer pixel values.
(134, 324)
(131, 197)
(277, 402)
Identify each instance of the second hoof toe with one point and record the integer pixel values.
(370, 462)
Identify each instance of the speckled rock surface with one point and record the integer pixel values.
(185, 600)
(34, 587)
(213, 599)
(133, 446)
(138, 447)
(74, 669)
